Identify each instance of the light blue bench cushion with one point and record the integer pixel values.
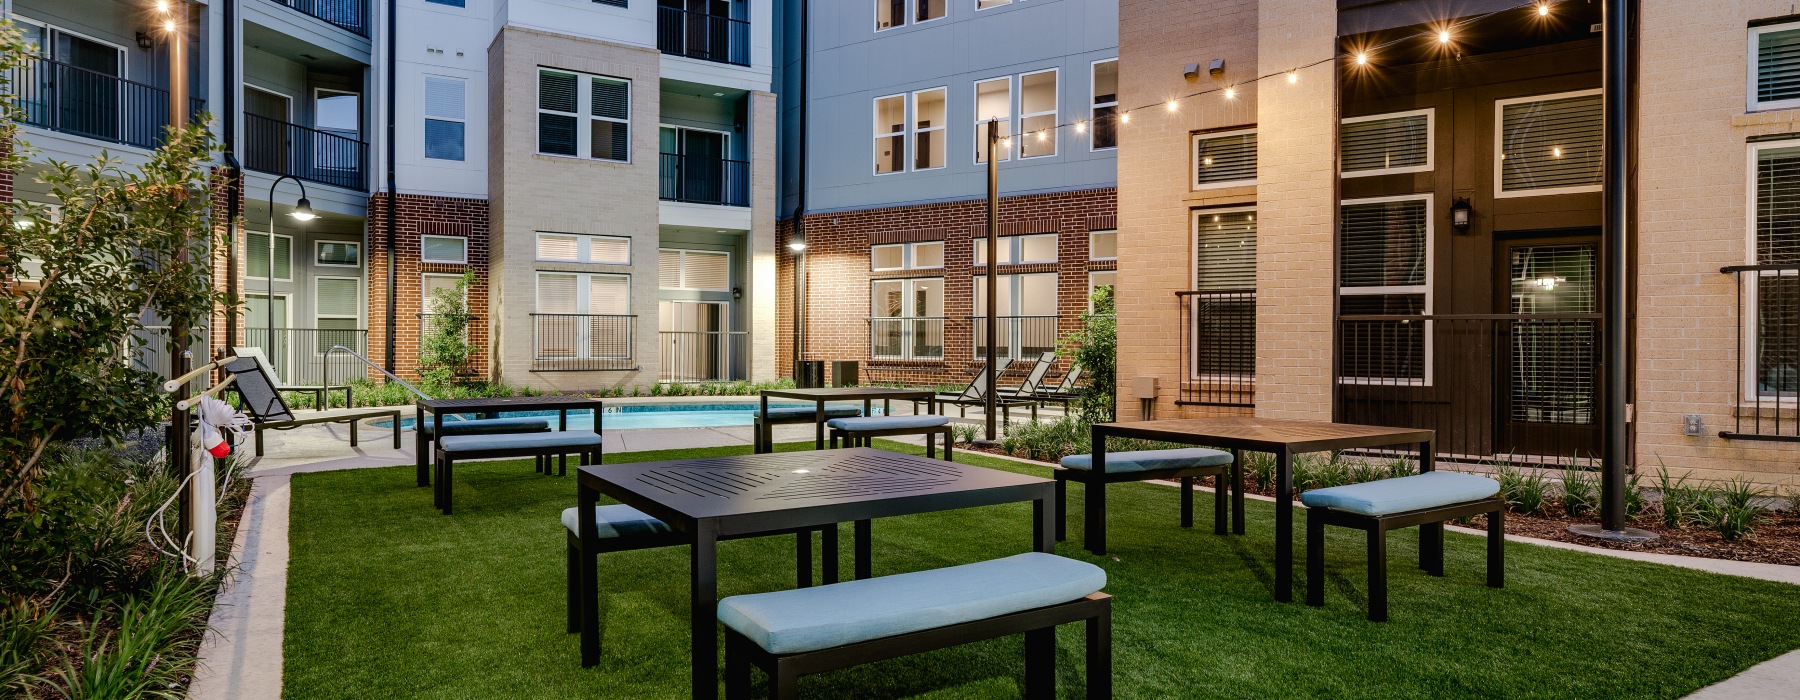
(1402, 494)
(807, 414)
(616, 521)
(807, 619)
(520, 441)
(888, 422)
(1151, 460)
(488, 426)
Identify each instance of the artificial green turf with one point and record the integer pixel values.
(388, 599)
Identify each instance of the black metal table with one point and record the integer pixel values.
(868, 395)
(741, 495)
(490, 406)
(1283, 438)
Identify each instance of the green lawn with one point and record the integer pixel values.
(388, 599)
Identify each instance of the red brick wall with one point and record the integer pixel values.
(837, 300)
(220, 184)
(418, 216)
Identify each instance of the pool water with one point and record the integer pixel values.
(637, 416)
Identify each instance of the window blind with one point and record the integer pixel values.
(1382, 144)
(609, 249)
(557, 92)
(668, 268)
(1778, 65)
(1551, 144)
(556, 293)
(444, 98)
(338, 253)
(1225, 251)
(611, 101)
(711, 271)
(1382, 244)
(256, 254)
(1778, 206)
(444, 114)
(432, 284)
(448, 249)
(609, 294)
(1220, 159)
(558, 247)
(1103, 245)
(337, 296)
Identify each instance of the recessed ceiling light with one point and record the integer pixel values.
(718, 94)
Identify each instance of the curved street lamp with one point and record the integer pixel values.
(303, 212)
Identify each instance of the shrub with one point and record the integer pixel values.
(965, 432)
(1525, 493)
(24, 633)
(1680, 501)
(152, 649)
(1093, 346)
(444, 350)
(1580, 491)
(1401, 466)
(90, 513)
(1365, 471)
(1634, 495)
(1730, 509)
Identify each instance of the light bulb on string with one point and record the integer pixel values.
(1293, 76)
(1444, 36)
(1171, 105)
(1080, 127)
(162, 6)
(1543, 9)
(1230, 93)
(1125, 118)
(1040, 135)
(169, 25)
(1362, 59)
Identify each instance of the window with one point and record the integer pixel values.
(451, 3)
(1036, 248)
(339, 114)
(443, 249)
(566, 100)
(906, 318)
(1549, 144)
(337, 253)
(336, 301)
(430, 285)
(1098, 279)
(926, 255)
(1026, 313)
(929, 10)
(1385, 143)
(1222, 308)
(444, 118)
(256, 256)
(569, 247)
(1037, 114)
(993, 100)
(702, 270)
(928, 138)
(1774, 326)
(1775, 58)
(583, 316)
(890, 134)
(1105, 101)
(1225, 159)
(892, 13)
(1103, 245)
(985, 4)
(583, 293)
(1384, 269)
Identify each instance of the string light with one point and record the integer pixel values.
(162, 6)
(1230, 93)
(1171, 105)
(1040, 135)
(169, 25)
(1362, 59)
(1543, 9)
(1080, 127)
(1125, 118)
(1293, 76)
(1444, 36)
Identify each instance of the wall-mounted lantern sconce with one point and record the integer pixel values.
(737, 293)
(1461, 215)
(143, 41)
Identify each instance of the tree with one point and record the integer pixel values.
(444, 348)
(123, 246)
(1095, 347)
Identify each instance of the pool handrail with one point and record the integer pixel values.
(390, 375)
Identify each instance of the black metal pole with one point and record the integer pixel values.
(234, 185)
(393, 193)
(993, 266)
(799, 234)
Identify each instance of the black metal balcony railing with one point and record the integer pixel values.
(73, 100)
(704, 180)
(1021, 337)
(919, 338)
(1220, 346)
(351, 15)
(1768, 352)
(583, 342)
(275, 146)
(299, 357)
(704, 356)
(707, 37)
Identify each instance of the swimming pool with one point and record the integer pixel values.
(665, 415)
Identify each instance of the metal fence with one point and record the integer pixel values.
(1219, 344)
(299, 354)
(701, 35)
(275, 146)
(907, 338)
(704, 356)
(704, 180)
(1021, 337)
(351, 15)
(1768, 352)
(583, 342)
(73, 100)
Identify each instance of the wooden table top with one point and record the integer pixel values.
(848, 393)
(1265, 434)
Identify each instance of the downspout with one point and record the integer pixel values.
(234, 187)
(393, 7)
(800, 203)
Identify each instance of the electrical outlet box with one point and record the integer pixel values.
(1144, 387)
(1695, 424)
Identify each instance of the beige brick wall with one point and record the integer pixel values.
(531, 192)
(1693, 182)
(1297, 204)
(761, 291)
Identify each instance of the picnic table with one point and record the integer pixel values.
(490, 407)
(867, 395)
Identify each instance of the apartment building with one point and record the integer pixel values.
(603, 171)
(1388, 214)
(885, 178)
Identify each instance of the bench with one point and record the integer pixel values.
(1375, 507)
(763, 436)
(857, 432)
(423, 435)
(805, 631)
(584, 444)
(1185, 465)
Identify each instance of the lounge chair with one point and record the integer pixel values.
(1034, 380)
(262, 400)
(974, 395)
(320, 392)
(1066, 391)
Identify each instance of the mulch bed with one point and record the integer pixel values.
(1776, 540)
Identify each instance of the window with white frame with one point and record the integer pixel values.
(924, 255)
(985, 4)
(1382, 144)
(432, 286)
(1025, 314)
(1222, 309)
(445, 117)
(1105, 104)
(337, 253)
(453, 250)
(1103, 245)
(892, 13)
(1035, 248)
(1775, 66)
(1774, 326)
(1548, 144)
(578, 248)
(583, 316)
(993, 101)
(337, 302)
(1098, 279)
(584, 116)
(1037, 114)
(890, 134)
(702, 270)
(906, 318)
(1224, 159)
(257, 259)
(1384, 269)
(929, 138)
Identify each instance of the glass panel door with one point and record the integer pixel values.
(696, 340)
(87, 86)
(1553, 349)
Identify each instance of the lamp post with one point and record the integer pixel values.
(993, 265)
(798, 245)
(303, 213)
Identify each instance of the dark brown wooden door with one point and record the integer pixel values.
(1548, 356)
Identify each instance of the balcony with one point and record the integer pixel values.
(299, 354)
(701, 180)
(1021, 337)
(701, 35)
(1768, 352)
(917, 338)
(277, 147)
(72, 100)
(349, 15)
(1220, 347)
(583, 343)
(704, 356)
